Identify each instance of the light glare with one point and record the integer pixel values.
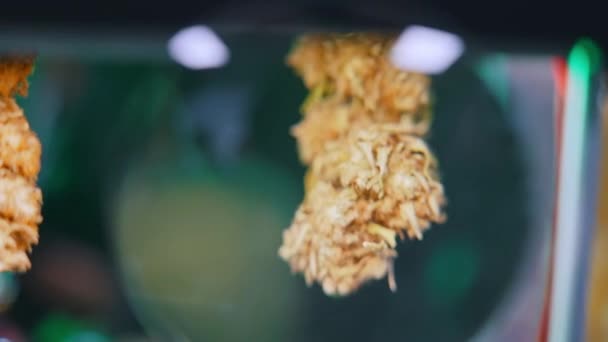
(426, 50)
(198, 47)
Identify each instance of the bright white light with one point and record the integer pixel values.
(198, 47)
(426, 50)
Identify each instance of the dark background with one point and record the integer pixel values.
(521, 20)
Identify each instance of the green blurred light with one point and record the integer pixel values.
(451, 272)
(62, 328)
(593, 53)
(492, 71)
(88, 336)
(9, 289)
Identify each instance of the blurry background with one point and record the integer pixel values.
(166, 191)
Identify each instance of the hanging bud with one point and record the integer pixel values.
(20, 151)
(372, 177)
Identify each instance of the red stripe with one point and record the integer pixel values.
(560, 73)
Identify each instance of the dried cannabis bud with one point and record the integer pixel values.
(20, 151)
(372, 177)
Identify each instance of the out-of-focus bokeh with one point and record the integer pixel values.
(597, 323)
(166, 190)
